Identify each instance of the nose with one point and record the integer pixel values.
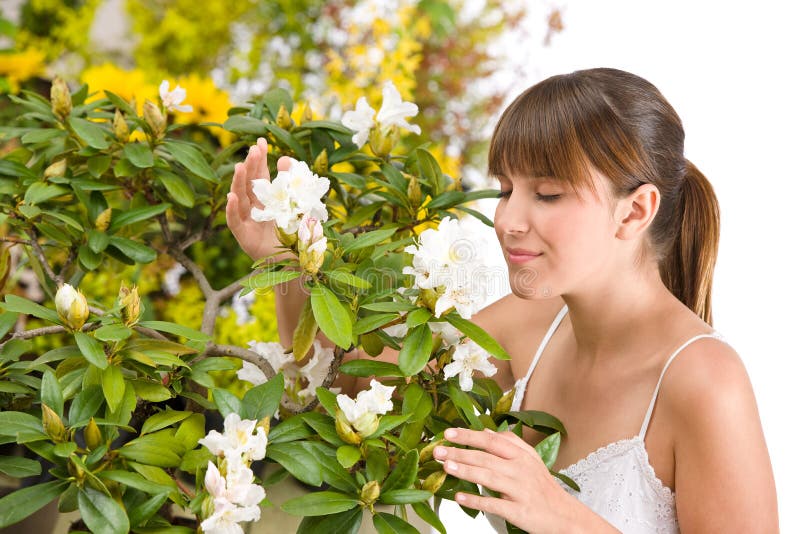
(512, 216)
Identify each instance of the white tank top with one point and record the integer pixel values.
(617, 481)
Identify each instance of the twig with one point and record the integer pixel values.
(39, 253)
(15, 240)
(65, 267)
(46, 330)
(333, 371)
(213, 349)
(150, 332)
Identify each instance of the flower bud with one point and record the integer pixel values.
(56, 169)
(71, 307)
(345, 430)
(155, 119)
(321, 163)
(428, 298)
(60, 98)
(53, 425)
(414, 192)
(370, 492)
(504, 404)
(283, 120)
(367, 424)
(92, 435)
(131, 304)
(434, 481)
(382, 142)
(121, 130)
(207, 507)
(287, 240)
(311, 245)
(307, 115)
(427, 451)
(103, 220)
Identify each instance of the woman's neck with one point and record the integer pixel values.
(609, 318)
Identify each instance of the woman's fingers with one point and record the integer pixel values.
(484, 476)
(483, 439)
(490, 505)
(284, 163)
(476, 458)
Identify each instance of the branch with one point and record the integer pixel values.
(333, 371)
(150, 332)
(15, 240)
(65, 267)
(212, 349)
(46, 330)
(39, 253)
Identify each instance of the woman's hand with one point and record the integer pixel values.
(256, 238)
(503, 462)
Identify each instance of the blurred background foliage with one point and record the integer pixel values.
(326, 54)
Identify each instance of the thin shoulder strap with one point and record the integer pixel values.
(649, 413)
(522, 385)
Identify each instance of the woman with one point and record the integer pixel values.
(611, 237)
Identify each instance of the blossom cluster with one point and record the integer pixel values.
(234, 495)
(300, 382)
(392, 114)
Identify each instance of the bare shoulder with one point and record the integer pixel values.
(517, 324)
(721, 457)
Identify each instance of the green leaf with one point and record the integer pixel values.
(18, 505)
(177, 329)
(328, 401)
(426, 513)
(548, 449)
(163, 420)
(113, 332)
(145, 213)
(291, 429)
(136, 251)
(18, 467)
(324, 426)
(145, 510)
(331, 316)
(90, 132)
(270, 278)
(305, 332)
(465, 405)
(347, 522)
(191, 430)
(135, 480)
(405, 496)
(151, 391)
(91, 349)
(263, 400)
(242, 124)
(51, 392)
(85, 405)
(347, 456)
(367, 368)
(98, 164)
(288, 140)
(478, 335)
(177, 188)
(371, 322)
(416, 351)
(161, 450)
(566, 480)
(139, 154)
(298, 460)
(541, 421)
(417, 317)
(369, 239)
(101, 513)
(343, 277)
(389, 306)
(377, 464)
(227, 402)
(320, 503)
(39, 192)
(391, 524)
(191, 158)
(404, 473)
(98, 241)
(327, 125)
(387, 423)
(13, 303)
(90, 260)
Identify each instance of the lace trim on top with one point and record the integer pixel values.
(614, 449)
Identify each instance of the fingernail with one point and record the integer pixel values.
(450, 433)
(489, 430)
(460, 497)
(451, 466)
(440, 452)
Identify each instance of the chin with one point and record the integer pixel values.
(533, 292)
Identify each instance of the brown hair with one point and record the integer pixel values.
(621, 125)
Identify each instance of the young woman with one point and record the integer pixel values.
(610, 235)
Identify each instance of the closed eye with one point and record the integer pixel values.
(547, 198)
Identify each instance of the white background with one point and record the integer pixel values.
(730, 71)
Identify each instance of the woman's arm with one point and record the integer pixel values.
(723, 475)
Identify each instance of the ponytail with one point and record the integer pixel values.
(688, 268)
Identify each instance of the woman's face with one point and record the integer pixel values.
(553, 239)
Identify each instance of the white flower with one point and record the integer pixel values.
(315, 370)
(276, 356)
(291, 195)
(311, 244)
(450, 334)
(468, 358)
(251, 373)
(393, 110)
(368, 404)
(172, 99)
(171, 283)
(237, 442)
(226, 518)
(361, 121)
(71, 306)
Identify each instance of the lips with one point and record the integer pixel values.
(518, 255)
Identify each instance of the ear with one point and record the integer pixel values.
(635, 212)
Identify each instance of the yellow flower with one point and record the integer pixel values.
(125, 83)
(209, 104)
(17, 67)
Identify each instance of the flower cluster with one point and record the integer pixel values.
(468, 357)
(448, 269)
(234, 497)
(362, 412)
(301, 382)
(382, 134)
